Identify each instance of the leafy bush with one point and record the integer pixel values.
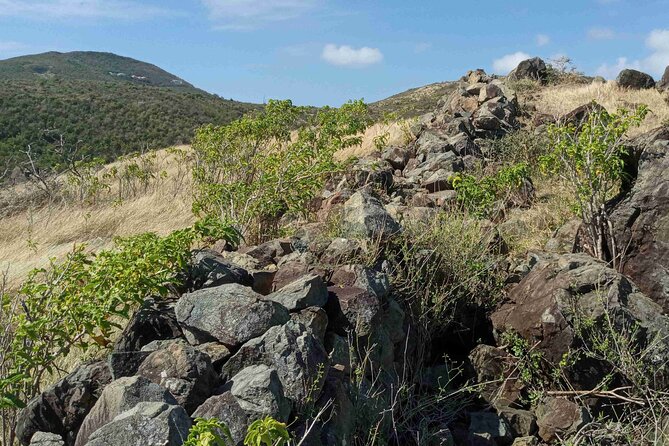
(258, 168)
(209, 432)
(267, 432)
(590, 158)
(479, 195)
(73, 304)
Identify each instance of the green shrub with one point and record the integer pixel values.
(259, 168)
(267, 432)
(209, 432)
(590, 158)
(479, 195)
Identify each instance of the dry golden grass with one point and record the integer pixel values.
(560, 99)
(396, 134)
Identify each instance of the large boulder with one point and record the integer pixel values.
(534, 69)
(62, 407)
(364, 215)
(307, 291)
(294, 352)
(118, 397)
(663, 84)
(557, 418)
(635, 80)
(641, 219)
(230, 314)
(187, 373)
(226, 408)
(259, 392)
(564, 294)
(46, 439)
(147, 424)
(154, 321)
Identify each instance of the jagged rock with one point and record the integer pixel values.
(184, 371)
(523, 423)
(398, 157)
(118, 397)
(61, 408)
(339, 350)
(490, 425)
(373, 172)
(292, 270)
(580, 114)
(463, 145)
(641, 219)
(544, 306)
(314, 319)
(230, 314)
(444, 197)
(559, 417)
(307, 291)
(293, 351)
(210, 269)
(461, 103)
(490, 365)
(447, 161)
(259, 392)
(475, 88)
(147, 424)
(270, 252)
(155, 320)
(635, 80)
(525, 441)
(123, 364)
(430, 141)
(663, 84)
(438, 181)
(340, 424)
(341, 250)
(476, 76)
(225, 407)
(534, 69)
(490, 91)
(242, 260)
(46, 439)
(352, 308)
(364, 215)
(218, 353)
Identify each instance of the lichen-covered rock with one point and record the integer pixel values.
(314, 319)
(118, 397)
(307, 291)
(296, 354)
(259, 392)
(560, 417)
(230, 314)
(146, 424)
(225, 407)
(364, 215)
(46, 439)
(185, 372)
(62, 407)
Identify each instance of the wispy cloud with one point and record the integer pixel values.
(250, 14)
(507, 63)
(600, 33)
(543, 39)
(345, 55)
(657, 42)
(65, 9)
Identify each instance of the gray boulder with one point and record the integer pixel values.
(155, 320)
(431, 141)
(534, 69)
(635, 80)
(210, 269)
(184, 371)
(490, 425)
(230, 314)
(259, 392)
(340, 251)
(314, 319)
(364, 215)
(226, 407)
(398, 157)
(663, 84)
(147, 424)
(62, 407)
(46, 439)
(557, 418)
(118, 397)
(307, 291)
(294, 352)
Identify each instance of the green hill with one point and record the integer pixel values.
(414, 102)
(107, 104)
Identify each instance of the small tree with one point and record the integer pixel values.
(260, 167)
(590, 157)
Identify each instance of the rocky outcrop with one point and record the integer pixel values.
(230, 314)
(307, 291)
(364, 215)
(635, 80)
(62, 408)
(641, 219)
(534, 69)
(663, 84)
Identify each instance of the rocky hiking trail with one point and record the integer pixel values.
(302, 329)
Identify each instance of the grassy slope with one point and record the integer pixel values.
(414, 102)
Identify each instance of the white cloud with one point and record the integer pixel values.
(345, 55)
(248, 14)
(86, 9)
(655, 63)
(598, 33)
(507, 63)
(543, 39)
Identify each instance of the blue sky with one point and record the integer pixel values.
(325, 52)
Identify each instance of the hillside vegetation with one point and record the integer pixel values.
(73, 96)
